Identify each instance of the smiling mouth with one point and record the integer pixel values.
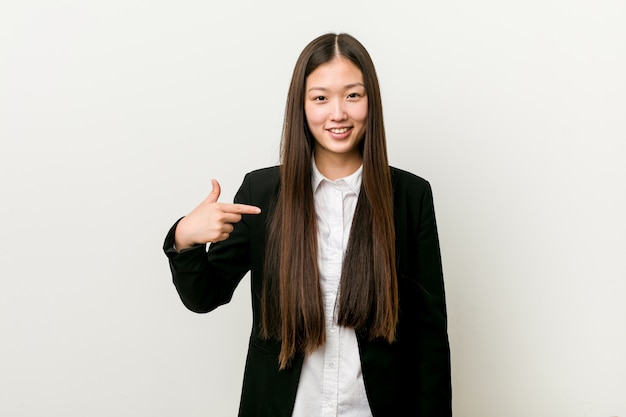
(339, 131)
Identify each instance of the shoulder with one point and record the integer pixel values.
(263, 177)
(412, 197)
(404, 181)
(259, 186)
(265, 173)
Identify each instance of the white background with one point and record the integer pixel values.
(115, 115)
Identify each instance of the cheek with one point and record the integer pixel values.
(360, 112)
(313, 115)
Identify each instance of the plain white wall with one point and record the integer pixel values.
(115, 115)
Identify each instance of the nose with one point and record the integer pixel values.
(338, 111)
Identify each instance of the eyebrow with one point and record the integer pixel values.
(346, 87)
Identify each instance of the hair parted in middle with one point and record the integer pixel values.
(292, 305)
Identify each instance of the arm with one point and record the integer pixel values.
(434, 349)
(204, 280)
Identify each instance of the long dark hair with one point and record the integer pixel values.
(292, 305)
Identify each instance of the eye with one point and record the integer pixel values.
(319, 98)
(354, 95)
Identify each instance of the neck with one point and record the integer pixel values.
(337, 166)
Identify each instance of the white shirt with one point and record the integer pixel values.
(331, 383)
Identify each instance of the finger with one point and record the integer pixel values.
(229, 218)
(240, 209)
(215, 191)
(221, 237)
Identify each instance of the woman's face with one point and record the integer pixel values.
(336, 110)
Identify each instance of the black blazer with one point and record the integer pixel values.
(410, 377)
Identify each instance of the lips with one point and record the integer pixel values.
(339, 133)
(338, 130)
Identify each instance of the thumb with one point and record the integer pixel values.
(215, 192)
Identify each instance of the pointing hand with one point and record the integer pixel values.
(210, 221)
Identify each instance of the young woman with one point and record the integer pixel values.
(349, 315)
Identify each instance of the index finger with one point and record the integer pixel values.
(240, 208)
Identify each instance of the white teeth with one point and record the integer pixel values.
(342, 130)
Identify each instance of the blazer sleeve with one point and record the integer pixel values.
(423, 321)
(205, 279)
(434, 367)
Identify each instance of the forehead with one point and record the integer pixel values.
(337, 72)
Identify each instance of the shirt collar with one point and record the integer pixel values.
(353, 180)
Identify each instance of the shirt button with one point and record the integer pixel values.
(331, 365)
